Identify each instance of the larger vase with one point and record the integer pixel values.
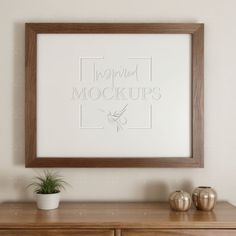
(204, 198)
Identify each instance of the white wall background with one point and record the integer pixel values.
(124, 184)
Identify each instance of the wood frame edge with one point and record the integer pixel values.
(32, 161)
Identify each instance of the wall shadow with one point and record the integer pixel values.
(19, 94)
(156, 191)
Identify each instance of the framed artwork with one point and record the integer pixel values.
(114, 95)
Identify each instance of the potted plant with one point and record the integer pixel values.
(47, 188)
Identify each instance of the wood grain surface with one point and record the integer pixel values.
(114, 216)
(182, 232)
(68, 232)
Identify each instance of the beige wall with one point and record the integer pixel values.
(124, 184)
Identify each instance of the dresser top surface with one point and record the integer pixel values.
(114, 215)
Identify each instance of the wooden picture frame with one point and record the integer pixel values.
(196, 31)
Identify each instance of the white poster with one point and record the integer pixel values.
(114, 95)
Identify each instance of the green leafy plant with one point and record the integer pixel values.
(48, 183)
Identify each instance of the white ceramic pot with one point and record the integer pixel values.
(48, 201)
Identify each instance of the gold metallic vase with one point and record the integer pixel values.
(204, 198)
(180, 201)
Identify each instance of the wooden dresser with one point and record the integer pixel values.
(115, 219)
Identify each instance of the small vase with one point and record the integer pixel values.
(204, 198)
(48, 201)
(180, 201)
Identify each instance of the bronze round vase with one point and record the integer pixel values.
(180, 201)
(204, 198)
